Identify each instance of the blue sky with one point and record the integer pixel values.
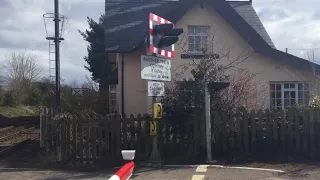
(292, 24)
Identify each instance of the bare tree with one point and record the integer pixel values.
(244, 91)
(21, 69)
(215, 56)
(1, 81)
(216, 64)
(314, 89)
(21, 66)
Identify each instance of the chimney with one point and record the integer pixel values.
(250, 1)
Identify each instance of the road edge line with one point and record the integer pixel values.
(229, 167)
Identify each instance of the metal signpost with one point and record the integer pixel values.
(155, 69)
(163, 35)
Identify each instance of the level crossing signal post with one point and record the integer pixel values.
(157, 70)
(163, 36)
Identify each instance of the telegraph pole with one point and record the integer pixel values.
(57, 50)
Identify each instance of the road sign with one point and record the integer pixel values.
(153, 128)
(167, 51)
(80, 91)
(157, 110)
(155, 88)
(155, 68)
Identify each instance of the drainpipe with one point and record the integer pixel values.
(122, 84)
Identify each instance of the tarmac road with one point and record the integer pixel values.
(209, 173)
(171, 173)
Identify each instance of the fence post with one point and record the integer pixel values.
(305, 130)
(275, 126)
(253, 126)
(74, 140)
(282, 130)
(268, 124)
(239, 129)
(246, 131)
(41, 128)
(63, 148)
(317, 115)
(225, 132)
(260, 123)
(216, 130)
(118, 135)
(312, 143)
(297, 130)
(81, 145)
(139, 134)
(290, 117)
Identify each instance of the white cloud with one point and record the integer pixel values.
(291, 24)
(22, 29)
(298, 31)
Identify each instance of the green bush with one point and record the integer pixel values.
(315, 102)
(8, 99)
(33, 98)
(1, 100)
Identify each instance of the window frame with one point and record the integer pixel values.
(202, 34)
(274, 99)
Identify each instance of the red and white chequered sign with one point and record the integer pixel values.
(167, 51)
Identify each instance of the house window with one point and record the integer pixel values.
(289, 94)
(198, 38)
(112, 99)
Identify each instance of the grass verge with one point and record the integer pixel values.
(10, 112)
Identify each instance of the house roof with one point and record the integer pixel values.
(127, 24)
(247, 12)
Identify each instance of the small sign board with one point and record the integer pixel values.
(153, 128)
(80, 91)
(155, 68)
(155, 88)
(157, 110)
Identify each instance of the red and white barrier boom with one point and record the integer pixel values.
(125, 172)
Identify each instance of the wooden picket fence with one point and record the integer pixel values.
(267, 133)
(99, 140)
(263, 133)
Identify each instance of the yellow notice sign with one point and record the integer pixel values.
(157, 110)
(153, 128)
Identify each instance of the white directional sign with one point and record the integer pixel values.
(155, 68)
(155, 88)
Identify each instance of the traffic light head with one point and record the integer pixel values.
(161, 28)
(165, 35)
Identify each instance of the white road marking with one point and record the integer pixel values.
(197, 177)
(187, 166)
(202, 168)
(230, 167)
(248, 168)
